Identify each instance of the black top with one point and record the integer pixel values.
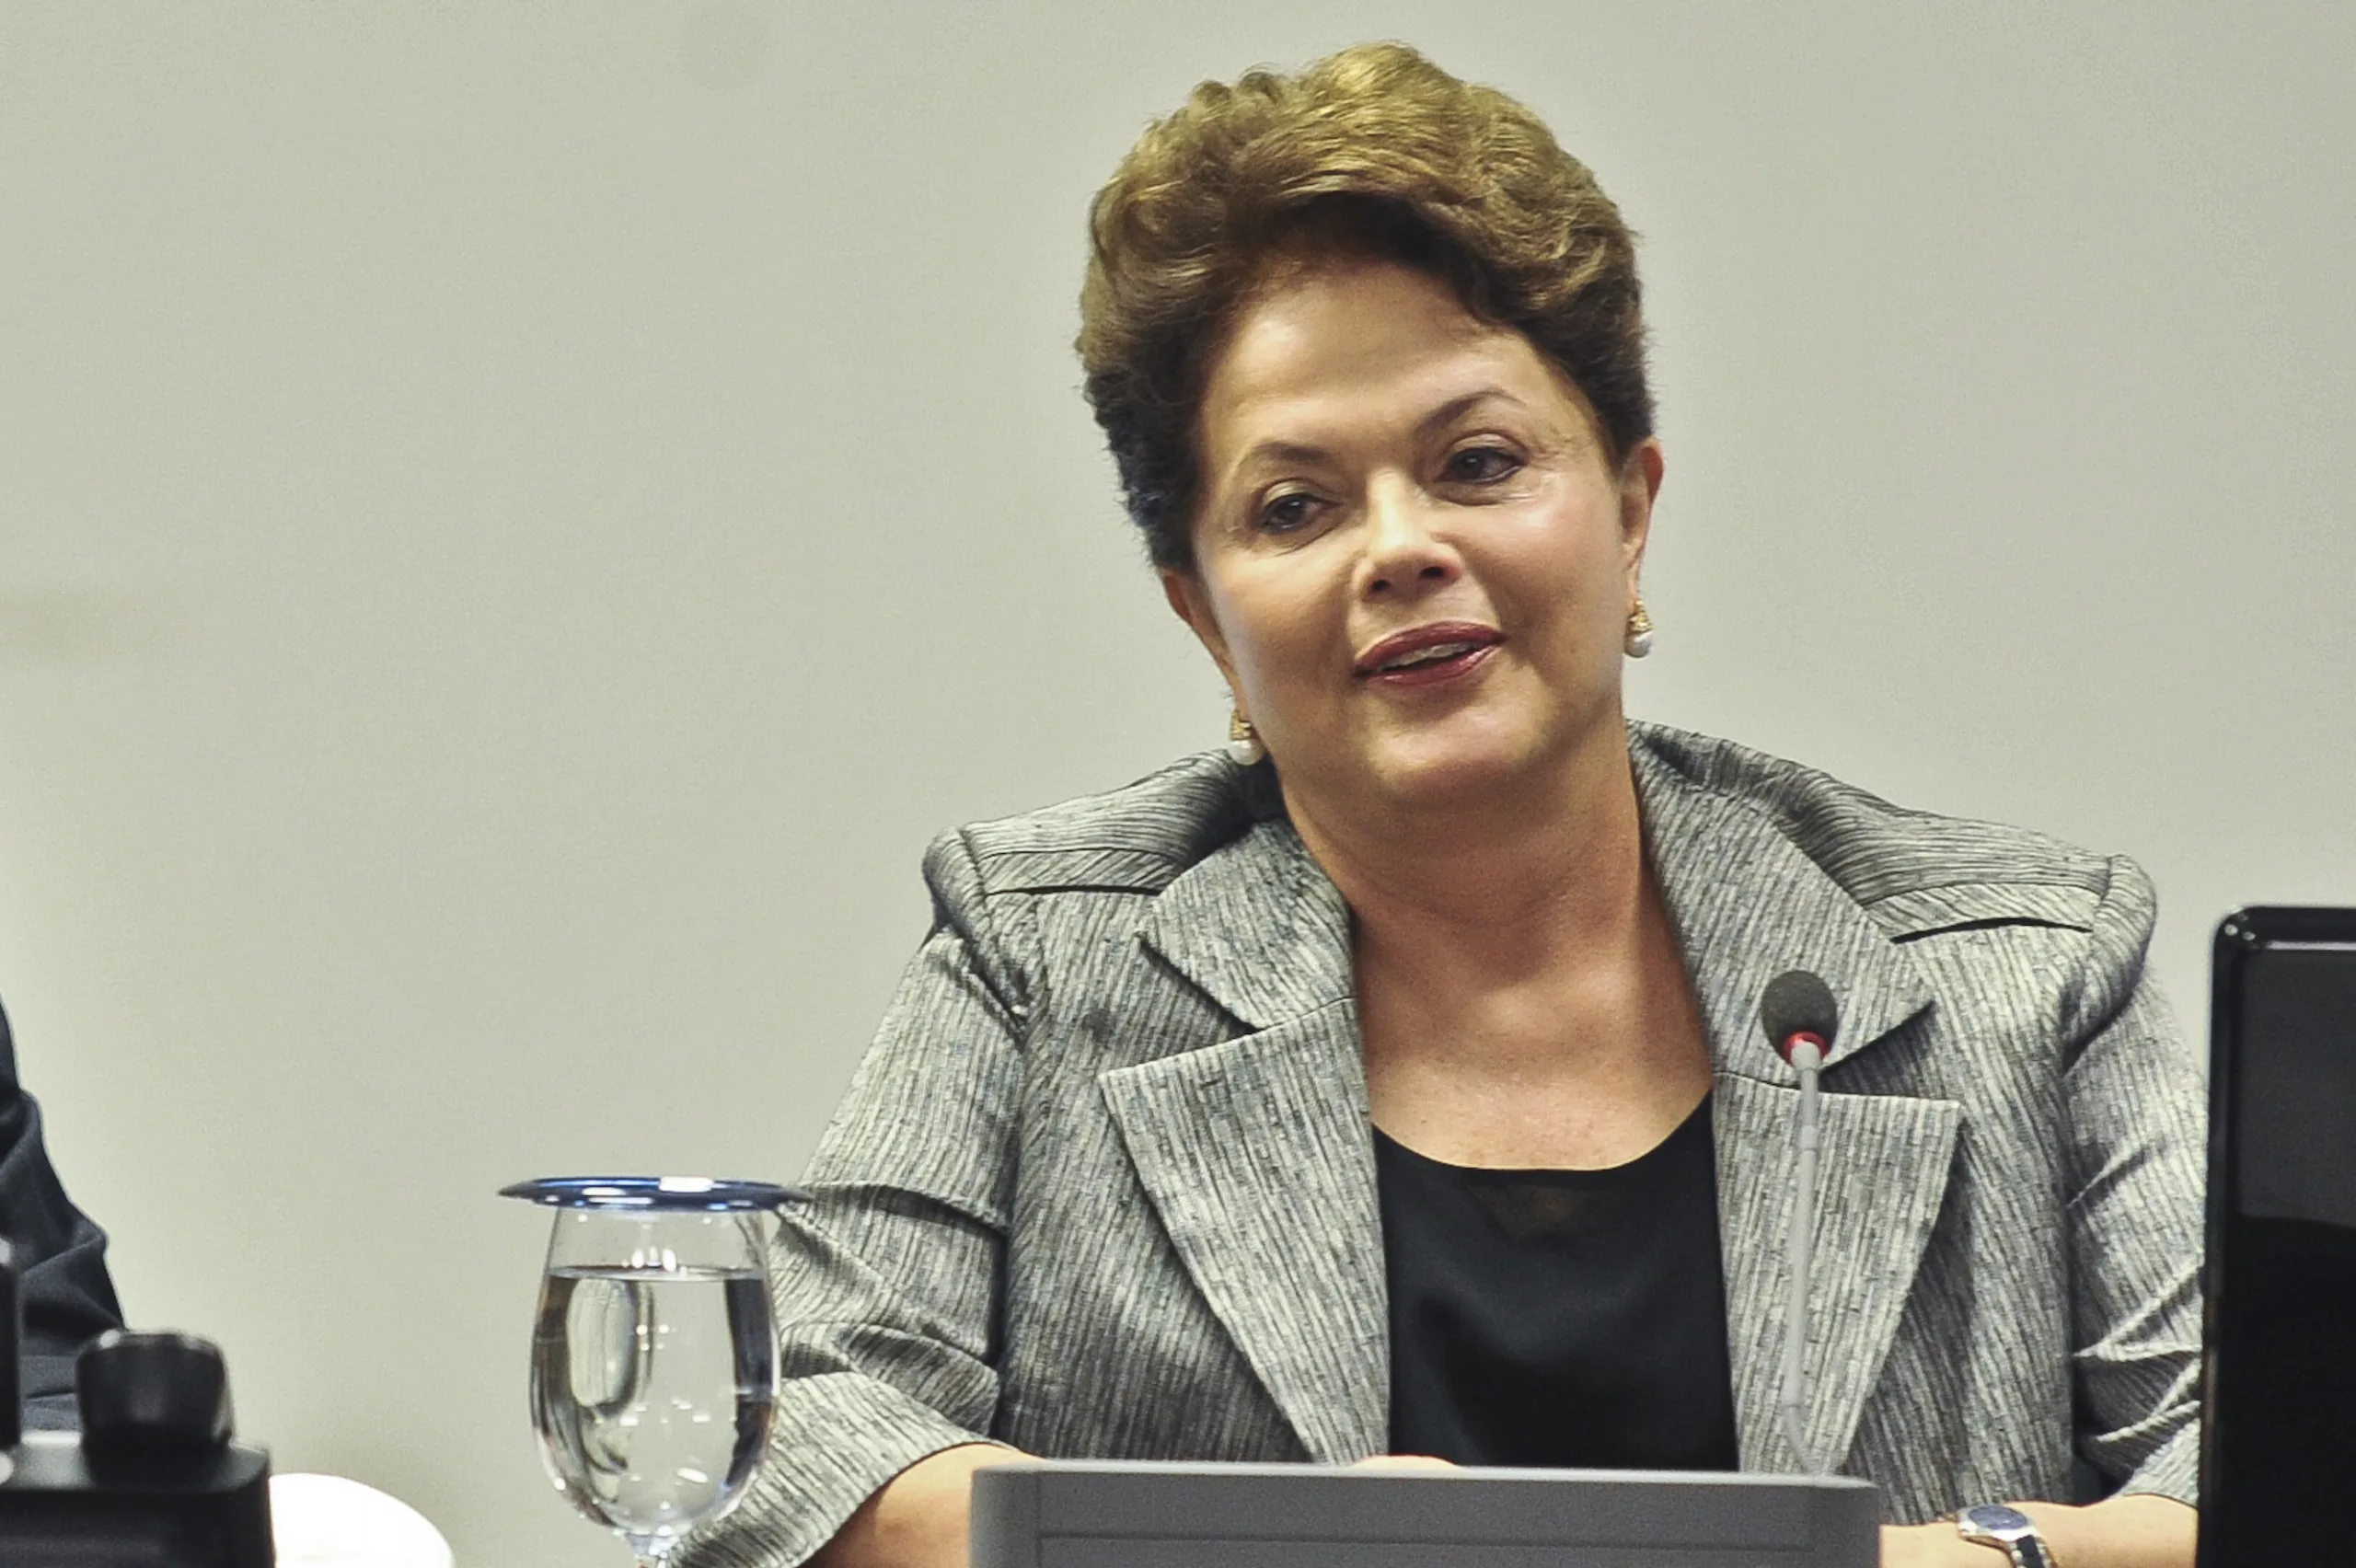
(1559, 1318)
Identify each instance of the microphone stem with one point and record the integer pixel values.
(1799, 1247)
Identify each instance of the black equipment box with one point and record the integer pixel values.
(211, 1512)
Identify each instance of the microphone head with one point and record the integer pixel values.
(1798, 1003)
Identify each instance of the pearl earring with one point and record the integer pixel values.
(1243, 741)
(1638, 641)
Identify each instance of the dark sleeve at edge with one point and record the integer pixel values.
(60, 1254)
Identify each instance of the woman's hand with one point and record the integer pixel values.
(1402, 1461)
(919, 1518)
(2142, 1532)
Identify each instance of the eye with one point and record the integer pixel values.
(1288, 513)
(1480, 465)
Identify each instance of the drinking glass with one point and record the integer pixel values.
(653, 1355)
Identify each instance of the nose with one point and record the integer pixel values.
(1403, 557)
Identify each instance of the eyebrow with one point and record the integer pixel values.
(1457, 408)
(1287, 452)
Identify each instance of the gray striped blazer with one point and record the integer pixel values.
(1104, 1183)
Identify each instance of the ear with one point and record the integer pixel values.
(1190, 601)
(1640, 478)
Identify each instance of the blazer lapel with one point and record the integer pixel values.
(1883, 1172)
(1256, 1152)
(1747, 905)
(1258, 926)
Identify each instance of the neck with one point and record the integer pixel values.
(1501, 885)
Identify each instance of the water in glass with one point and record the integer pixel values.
(650, 1389)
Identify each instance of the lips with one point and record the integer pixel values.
(1427, 654)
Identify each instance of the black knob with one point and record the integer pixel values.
(152, 1393)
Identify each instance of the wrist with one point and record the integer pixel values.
(2133, 1530)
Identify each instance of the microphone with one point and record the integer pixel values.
(1801, 1020)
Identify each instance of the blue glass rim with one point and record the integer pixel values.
(674, 1195)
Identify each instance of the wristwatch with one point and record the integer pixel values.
(2009, 1530)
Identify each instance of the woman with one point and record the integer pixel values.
(1393, 1085)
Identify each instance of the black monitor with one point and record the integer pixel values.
(2277, 1457)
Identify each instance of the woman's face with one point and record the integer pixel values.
(1413, 561)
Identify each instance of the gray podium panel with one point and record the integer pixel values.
(1107, 1513)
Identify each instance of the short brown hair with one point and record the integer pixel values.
(1374, 150)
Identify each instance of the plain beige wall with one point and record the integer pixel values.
(517, 522)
